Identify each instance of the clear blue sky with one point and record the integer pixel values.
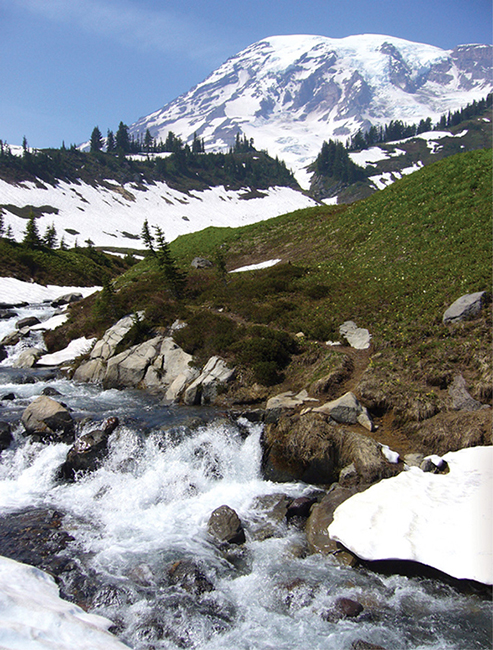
(69, 65)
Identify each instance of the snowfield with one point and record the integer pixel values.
(442, 520)
(112, 216)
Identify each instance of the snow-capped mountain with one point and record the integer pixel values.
(290, 93)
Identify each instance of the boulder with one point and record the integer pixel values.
(201, 263)
(225, 526)
(88, 450)
(461, 400)
(67, 299)
(7, 314)
(365, 645)
(357, 337)
(205, 388)
(91, 371)
(27, 358)
(5, 435)
(347, 410)
(465, 307)
(29, 321)
(309, 448)
(321, 516)
(48, 419)
(288, 400)
(128, 368)
(190, 577)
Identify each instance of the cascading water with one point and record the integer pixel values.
(139, 552)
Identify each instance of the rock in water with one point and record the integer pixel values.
(225, 526)
(88, 451)
(49, 420)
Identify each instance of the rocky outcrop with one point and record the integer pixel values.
(67, 299)
(461, 399)
(158, 365)
(205, 388)
(465, 307)
(47, 419)
(357, 337)
(27, 358)
(308, 447)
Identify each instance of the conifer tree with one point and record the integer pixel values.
(147, 237)
(2, 225)
(110, 142)
(122, 139)
(49, 238)
(96, 139)
(31, 234)
(175, 279)
(9, 234)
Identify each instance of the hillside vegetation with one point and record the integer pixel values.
(392, 263)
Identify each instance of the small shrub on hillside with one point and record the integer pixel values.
(207, 334)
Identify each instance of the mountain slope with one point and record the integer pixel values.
(290, 93)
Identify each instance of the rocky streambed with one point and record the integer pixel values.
(192, 527)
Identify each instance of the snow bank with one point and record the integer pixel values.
(72, 351)
(255, 267)
(15, 291)
(34, 617)
(441, 520)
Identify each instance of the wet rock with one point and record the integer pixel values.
(6, 314)
(27, 358)
(29, 321)
(343, 608)
(322, 515)
(5, 435)
(187, 575)
(466, 307)
(268, 515)
(365, 645)
(3, 353)
(225, 526)
(50, 391)
(300, 507)
(49, 420)
(11, 339)
(171, 371)
(128, 368)
(8, 397)
(88, 451)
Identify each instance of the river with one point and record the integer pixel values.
(147, 507)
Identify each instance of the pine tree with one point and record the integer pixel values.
(49, 238)
(2, 225)
(9, 234)
(148, 141)
(122, 139)
(96, 139)
(110, 142)
(175, 279)
(147, 237)
(31, 235)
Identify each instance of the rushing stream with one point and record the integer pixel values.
(147, 507)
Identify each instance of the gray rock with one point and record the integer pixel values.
(465, 307)
(128, 368)
(105, 347)
(461, 400)
(288, 400)
(225, 526)
(88, 450)
(347, 410)
(27, 358)
(357, 337)
(91, 371)
(205, 388)
(29, 321)
(48, 419)
(67, 299)
(201, 263)
(171, 371)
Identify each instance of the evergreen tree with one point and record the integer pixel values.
(175, 279)
(122, 139)
(110, 142)
(31, 234)
(147, 237)
(9, 234)
(2, 225)
(96, 139)
(62, 246)
(148, 141)
(49, 238)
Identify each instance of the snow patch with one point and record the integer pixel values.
(75, 349)
(255, 267)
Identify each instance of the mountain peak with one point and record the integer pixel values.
(291, 92)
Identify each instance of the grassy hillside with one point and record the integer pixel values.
(392, 263)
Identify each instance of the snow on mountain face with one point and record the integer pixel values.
(290, 93)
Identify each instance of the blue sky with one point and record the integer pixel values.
(69, 65)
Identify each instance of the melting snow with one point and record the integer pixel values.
(255, 267)
(441, 520)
